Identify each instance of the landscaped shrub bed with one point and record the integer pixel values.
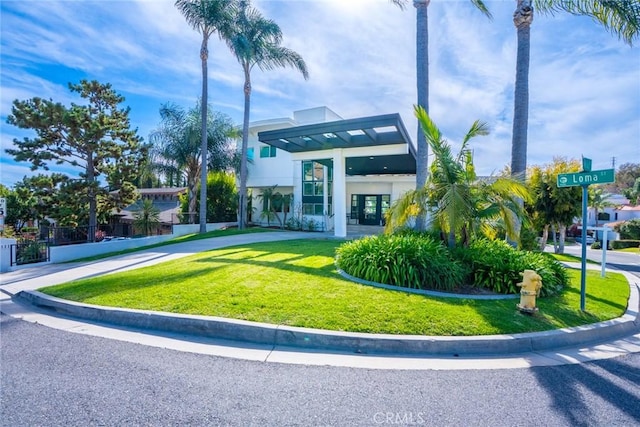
(419, 261)
(404, 260)
(622, 244)
(495, 265)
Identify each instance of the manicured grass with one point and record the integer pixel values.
(296, 283)
(570, 258)
(630, 250)
(181, 239)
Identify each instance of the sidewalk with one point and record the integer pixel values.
(274, 343)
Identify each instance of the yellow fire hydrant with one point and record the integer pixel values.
(531, 285)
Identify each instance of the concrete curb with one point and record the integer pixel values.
(364, 343)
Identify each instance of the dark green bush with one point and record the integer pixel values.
(528, 239)
(495, 265)
(622, 244)
(629, 229)
(596, 245)
(405, 260)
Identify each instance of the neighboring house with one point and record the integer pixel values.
(166, 200)
(338, 171)
(620, 210)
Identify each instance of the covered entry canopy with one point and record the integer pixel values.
(370, 132)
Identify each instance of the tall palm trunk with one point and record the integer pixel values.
(242, 206)
(522, 18)
(192, 185)
(422, 82)
(204, 55)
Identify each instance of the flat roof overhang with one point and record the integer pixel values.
(356, 134)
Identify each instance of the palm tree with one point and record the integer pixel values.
(622, 18)
(266, 195)
(146, 217)
(598, 200)
(255, 40)
(177, 153)
(206, 17)
(462, 204)
(422, 81)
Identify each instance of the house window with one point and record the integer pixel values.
(313, 172)
(385, 204)
(307, 189)
(250, 153)
(314, 209)
(267, 151)
(313, 187)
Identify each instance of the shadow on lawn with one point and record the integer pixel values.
(80, 290)
(591, 297)
(263, 250)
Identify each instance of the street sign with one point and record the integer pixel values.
(584, 179)
(3, 212)
(576, 179)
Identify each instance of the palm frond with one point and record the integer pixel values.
(400, 3)
(620, 17)
(482, 7)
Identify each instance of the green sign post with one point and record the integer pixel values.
(584, 179)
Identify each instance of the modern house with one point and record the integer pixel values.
(339, 171)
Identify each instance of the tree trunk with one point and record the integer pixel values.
(204, 55)
(191, 189)
(522, 18)
(242, 197)
(91, 195)
(555, 241)
(422, 86)
(563, 233)
(544, 238)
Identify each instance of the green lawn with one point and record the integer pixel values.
(296, 283)
(570, 258)
(630, 250)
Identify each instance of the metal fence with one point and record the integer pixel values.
(59, 236)
(29, 252)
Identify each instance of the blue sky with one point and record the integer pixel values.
(584, 82)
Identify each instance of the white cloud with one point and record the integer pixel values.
(584, 83)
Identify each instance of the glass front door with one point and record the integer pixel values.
(369, 209)
(370, 214)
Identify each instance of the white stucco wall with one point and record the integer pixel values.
(279, 170)
(84, 250)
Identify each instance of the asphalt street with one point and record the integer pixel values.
(57, 378)
(622, 260)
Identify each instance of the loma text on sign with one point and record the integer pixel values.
(604, 176)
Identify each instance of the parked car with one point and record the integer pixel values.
(589, 240)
